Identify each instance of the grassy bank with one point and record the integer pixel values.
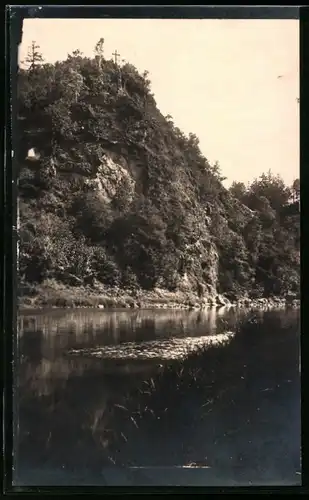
(53, 294)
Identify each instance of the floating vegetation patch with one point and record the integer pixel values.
(168, 349)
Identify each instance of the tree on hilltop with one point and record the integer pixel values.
(34, 57)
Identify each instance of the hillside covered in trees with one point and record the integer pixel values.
(112, 195)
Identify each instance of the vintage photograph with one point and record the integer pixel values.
(158, 253)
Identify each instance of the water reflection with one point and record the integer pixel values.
(93, 384)
(117, 326)
(46, 338)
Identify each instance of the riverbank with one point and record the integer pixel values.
(52, 294)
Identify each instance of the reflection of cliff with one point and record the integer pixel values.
(42, 379)
(45, 340)
(86, 325)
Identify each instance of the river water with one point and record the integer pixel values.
(111, 398)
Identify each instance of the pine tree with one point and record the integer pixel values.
(34, 57)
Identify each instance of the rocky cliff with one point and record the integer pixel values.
(113, 195)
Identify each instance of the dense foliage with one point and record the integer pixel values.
(111, 191)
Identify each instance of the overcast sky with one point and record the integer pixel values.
(217, 78)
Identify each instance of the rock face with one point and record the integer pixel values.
(202, 257)
(111, 177)
(222, 301)
(116, 176)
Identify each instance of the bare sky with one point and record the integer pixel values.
(216, 78)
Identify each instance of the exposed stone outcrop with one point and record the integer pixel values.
(110, 178)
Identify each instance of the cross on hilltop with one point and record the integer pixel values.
(116, 54)
(119, 82)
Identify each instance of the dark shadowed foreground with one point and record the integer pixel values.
(146, 397)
